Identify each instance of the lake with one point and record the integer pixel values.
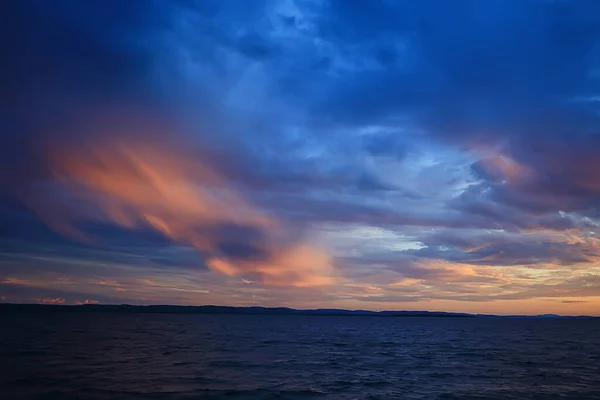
(194, 356)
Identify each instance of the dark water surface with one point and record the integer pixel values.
(169, 356)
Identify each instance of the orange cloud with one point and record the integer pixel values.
(50, 300)
(137, 181)
(299, 266)
(501, 166)
(87, 301)
(406, 282)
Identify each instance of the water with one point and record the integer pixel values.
(169, 356)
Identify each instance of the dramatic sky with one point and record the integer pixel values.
(432, 155)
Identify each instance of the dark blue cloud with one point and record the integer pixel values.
(468, 65)
(63, 53)
(515, 75)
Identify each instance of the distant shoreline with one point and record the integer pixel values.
(8, 308)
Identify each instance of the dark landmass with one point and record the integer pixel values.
(210, 309)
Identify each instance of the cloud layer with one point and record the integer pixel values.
(354, 154)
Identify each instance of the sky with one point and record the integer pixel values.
(417, 155)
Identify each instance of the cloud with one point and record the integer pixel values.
(541, 248)
(134, 182)
(501, 74)
(271, 141)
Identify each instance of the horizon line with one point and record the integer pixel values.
(315, 311)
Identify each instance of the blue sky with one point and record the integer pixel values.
(357, 154)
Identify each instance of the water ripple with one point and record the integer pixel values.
(161, 356)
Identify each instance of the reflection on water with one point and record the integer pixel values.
(155, 356)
